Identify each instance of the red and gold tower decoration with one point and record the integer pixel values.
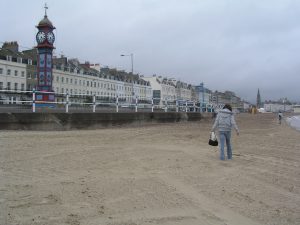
(45, 39)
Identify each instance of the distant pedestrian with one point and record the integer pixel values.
(280, 116)
(225, 122)
(214, 114)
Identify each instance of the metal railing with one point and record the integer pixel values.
(26, 101)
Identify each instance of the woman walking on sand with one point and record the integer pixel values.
(225, 122)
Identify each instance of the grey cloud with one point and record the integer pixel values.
(229, 45)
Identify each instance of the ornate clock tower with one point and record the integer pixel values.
(45, 39)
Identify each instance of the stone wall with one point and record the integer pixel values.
(71, 121)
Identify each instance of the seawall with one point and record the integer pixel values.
(71, 121)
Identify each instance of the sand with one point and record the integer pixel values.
(162, 174)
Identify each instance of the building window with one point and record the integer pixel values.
(9, 58)
(62, 90)
(29, 62)
(1, 71)
(8, 72)
(1, 85)
(23, 74)
(22, 87)
(75, 81)
(16, 72)
(16, 86)
(8, 85)
(71, 81)
(57, 79)
(67, 80)
(19, 60)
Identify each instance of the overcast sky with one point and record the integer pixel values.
(237, 45)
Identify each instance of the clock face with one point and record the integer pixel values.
(40, 37)
(50, 37)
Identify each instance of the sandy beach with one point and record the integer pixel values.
(163, 174)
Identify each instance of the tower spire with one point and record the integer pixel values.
(258, 99)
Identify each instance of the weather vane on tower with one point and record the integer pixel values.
(46, 7)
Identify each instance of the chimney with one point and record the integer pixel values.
(13, 46)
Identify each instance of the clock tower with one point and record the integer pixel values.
(45, 39)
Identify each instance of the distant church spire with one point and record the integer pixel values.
(258, 100)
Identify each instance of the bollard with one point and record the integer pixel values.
(194, 106)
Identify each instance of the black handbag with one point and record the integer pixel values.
(213, 141)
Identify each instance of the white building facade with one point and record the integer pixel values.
(164, 91)
(276, 107)
(68, 78)
(183, 91)
(12, 79)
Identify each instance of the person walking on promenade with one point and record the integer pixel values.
(225, 122)
(280, 117)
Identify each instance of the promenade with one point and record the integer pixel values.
(163, 174)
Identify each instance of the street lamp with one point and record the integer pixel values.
(203, 90)
(131, 56)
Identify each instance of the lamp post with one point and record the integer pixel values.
(202, 84)
(131, 57)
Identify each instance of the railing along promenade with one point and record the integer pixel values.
(26, 101)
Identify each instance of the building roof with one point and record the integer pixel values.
(12, 49)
